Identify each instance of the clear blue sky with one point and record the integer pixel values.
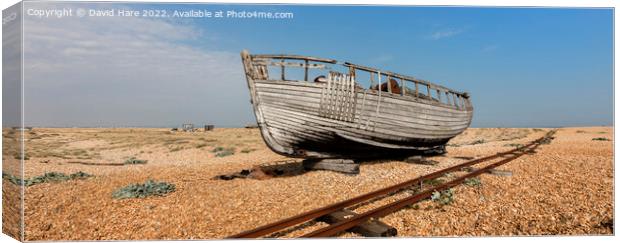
(524, 67)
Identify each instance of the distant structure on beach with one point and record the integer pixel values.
(188, 127)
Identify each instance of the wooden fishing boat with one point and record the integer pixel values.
(312, 107)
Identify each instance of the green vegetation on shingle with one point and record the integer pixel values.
(444, 197)
(149, 188)
(475, 181)
(223, 152)
(47, 177)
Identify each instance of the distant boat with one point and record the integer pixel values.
(332, 115)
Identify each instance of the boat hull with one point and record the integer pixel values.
(292, 120)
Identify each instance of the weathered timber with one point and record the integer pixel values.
(404, 77)
(371, 228)
(418, 159)
(338, 165)
(299, 65)
(496, 172)
(500, 172)
(336, 117)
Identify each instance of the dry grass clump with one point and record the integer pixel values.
(223, 152)
(444, 197)
(247, 150)
(149, 188)
(475, 181)
(433, 182)
(47, 177)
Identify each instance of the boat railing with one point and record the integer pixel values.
(407, 85)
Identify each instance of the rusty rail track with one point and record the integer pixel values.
(391, 207)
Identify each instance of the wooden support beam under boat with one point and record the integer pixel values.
(339, 165)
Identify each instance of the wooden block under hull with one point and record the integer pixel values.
(338, 165)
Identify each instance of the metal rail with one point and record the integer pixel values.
(381, 211)
(392, 207)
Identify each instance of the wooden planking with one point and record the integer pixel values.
(262, 57)
(310, 105)
(343, 167)
(336, 126)
(292, 83)
(384, 123)
(314, 100)
(377, 132)
(312, 133)
(337, 99)
(285, 122)
(297, 65)
(383, 119)
(315, 88)
(386, 102)
(249, 72)
(285, 134)
(299, 124)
